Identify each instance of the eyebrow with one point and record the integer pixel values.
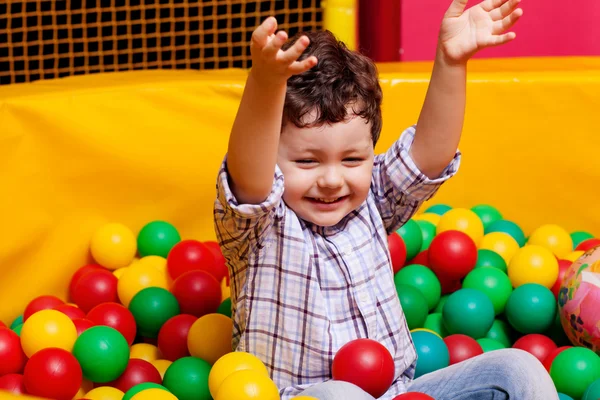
(347, 151)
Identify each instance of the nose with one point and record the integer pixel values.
(331, 177)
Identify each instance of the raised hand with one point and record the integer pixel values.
(270, 64)
(463, 33)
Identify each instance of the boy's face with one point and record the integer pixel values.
(327, 169)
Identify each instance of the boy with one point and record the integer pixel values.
(304, 206)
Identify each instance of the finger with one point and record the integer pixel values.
(507, 22)
(489, 5)
(261, 34)
(271, 49)
(292, 54)
(299, 67)
(504, 10)
(497, 40)
(456, 8)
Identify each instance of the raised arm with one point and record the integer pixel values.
(254, 138)
(462, 34)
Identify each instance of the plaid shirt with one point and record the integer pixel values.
(300, 291)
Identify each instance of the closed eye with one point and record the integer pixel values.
(306, 161)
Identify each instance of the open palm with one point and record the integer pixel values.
(463, 33)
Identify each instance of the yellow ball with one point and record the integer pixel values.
(154, 394)
(225, 290)
(154, 261)
(230, 363)
(554, 238)
(502, 243)
(137, 277)
(429, 217)
(209, 337)
(161, 366)
(464, 220)
(248, 385)
(574, 255)
(47, 328)
(426, 330)
(113, 246)
(119, 272)
(533, 264)
(85, 387)
(145, 351)
(104, 393)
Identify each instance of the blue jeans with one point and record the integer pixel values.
(498, 375)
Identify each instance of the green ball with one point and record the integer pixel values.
(439, 209)
(593, 391)
(488, 345)
(17, 329)
(102, 352)
(225, 307)
(187, 379)
(411, 234)
(432, 352)
(494, 283)
(501, 332)
(157, 238)
(18, 321)
(556, 332)
(152, 307)
(435, 323)
(142, 386)
(440, 305)
(510, 228)
(422, 278)
(489, 258)
(413, 304)
(487, 214)
(428, 231)
(468, 311)
(531, 308)
(574, 370)
(579, 237)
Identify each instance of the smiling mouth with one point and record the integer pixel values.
(327, 201)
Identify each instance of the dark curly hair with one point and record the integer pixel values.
(341, 79)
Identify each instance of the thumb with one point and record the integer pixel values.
(456, 8)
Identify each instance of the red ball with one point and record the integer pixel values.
(41, 303)
(563, 266)
(82, 324)
(95, 288)
(13, 383)
(452, 254)
(220, 270)
(422, 259)
(190, 255)
(116, 316)
(12, 357)
(462, 347)
(173, 335)
(413, 396)
(539, 345)
(70, 311)
(548, 361)
(449, 285)
(365, 363)
(53, 373)
(137, 371)
(81, 272)
(197, 292)
(397, 251)
(588, 244)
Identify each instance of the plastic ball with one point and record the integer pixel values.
(452, 254)
(187, 378)
(53, 373)
(469, 312)
(397, 250)
(552, 355)
(533, 264)
(423, 279)
(462, 220)
(553, 238)
(461, 347)
(493, 283)
(428, 231)
(80, 272)
(129, 394)
(422, 259)
(562, 396)
(47, 328)
(501, 243)
(489, 258)
(116, 316)
(154, 394)
(173, 337)
(17, 321)
(41, 303)
(248, 385)
(579, 236)
(210, 337)
(593, 391)
(509, 228)
(85, 387)
(413, 396)
(104, 393)
(501, 332)
(102, 352)
(220, 270)
(531, 308)
(137, 371)
(488, 344)
(365, 363)
(152, 307)
(432, 352)
(439, 209)
(82, 324)
(113, 246)
(563, 266)
(536, 344)
(573, 256)
(95, 287)
(13, 383)
(414, 305)
(137, 277)
(145, 351)
(411, 234)
(429, 217)
(161, 366)
(12, 355)
(487, 214)
(71, 311)
(197, 292)
(435, 323)
(574, 370)
(190, 255)
(225, 307)
(157, 238)
(588, 244)
(231, 363)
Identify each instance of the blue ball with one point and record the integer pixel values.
(432, 352)
(562, 396)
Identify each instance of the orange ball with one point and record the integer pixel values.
(209, 337)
